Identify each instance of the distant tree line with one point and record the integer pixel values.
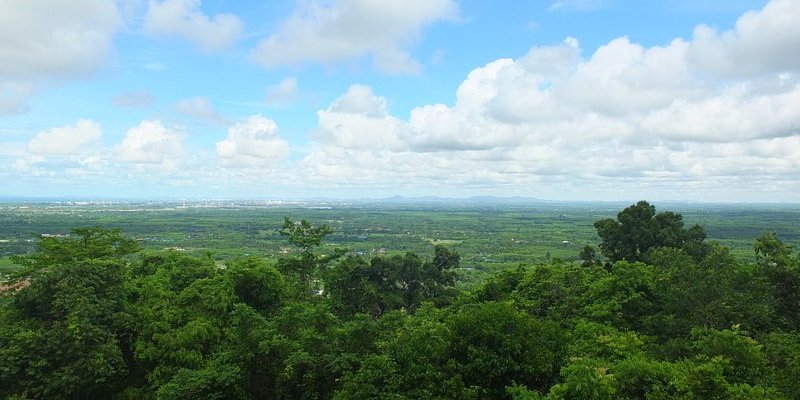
(657, 313)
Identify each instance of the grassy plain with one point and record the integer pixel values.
(488, 235)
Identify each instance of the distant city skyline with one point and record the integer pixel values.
(609, 100)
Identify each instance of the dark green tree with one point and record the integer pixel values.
(390, 283)
(257, 284)
(66, 334)
(304, 267)
(782, 271)
(497, 345)
(638, 229)
(589, 256)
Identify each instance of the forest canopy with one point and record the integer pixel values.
(660, 313)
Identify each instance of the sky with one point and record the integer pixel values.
(604, 100)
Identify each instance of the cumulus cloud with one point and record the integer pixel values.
(253, 142)
(47, 41)
(200, 108)
(73, 155)
(184, 19)
(763, 41)
(284, 92)
(66, 140)
(69, 150)
(350, 29)
(626, 117)
(152, 144)
(359, 120)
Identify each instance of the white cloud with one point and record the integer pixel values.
(284, 92)
(68, 150)
(467, 125)
(183, 18)
(253, 142)
(66, 140)
(626, 119)
(151, 143)
(73, 157)
(350, 29)
(729, 116)
(763, 41)
(200, 108)
(47, 41)
(359, 120)
(359, 99)
(55, 38)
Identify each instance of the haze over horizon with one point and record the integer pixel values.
(561, 100)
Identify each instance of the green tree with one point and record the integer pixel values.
(589, 256)
(256, 283)
(66, 335)
(782, 270)
(305, 266)
(783, 352)
(390, 283)
(497, 345)
(638, 229)
(353, 286)
(202, 331)
(717, 293)
(83, 244)
(745, 358)
(556, 291)
(625, 298)
(304, 235)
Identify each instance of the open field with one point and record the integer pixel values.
(488, 235)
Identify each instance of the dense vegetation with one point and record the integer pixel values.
(657, 313)
(488, 235)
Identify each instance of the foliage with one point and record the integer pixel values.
(390, 283)
(304, 235)
(64, 334)
(589, 256)
(782, 272)
(305, 267)
(667, 316)
(638, 229)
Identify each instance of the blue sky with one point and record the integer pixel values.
(563, 100)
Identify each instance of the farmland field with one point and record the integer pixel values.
(488, 235)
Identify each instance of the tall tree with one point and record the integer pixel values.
(304, 266)
(638, 229)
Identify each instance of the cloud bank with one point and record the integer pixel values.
(714, 116)
(677, 117)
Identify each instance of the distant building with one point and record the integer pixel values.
(54, 235)
(174, 248)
